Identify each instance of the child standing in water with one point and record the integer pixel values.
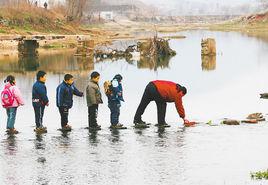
(93, 100)
(40, 100)
(115, 96)
(65, 92)
(11, 100)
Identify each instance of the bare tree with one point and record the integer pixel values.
(75, 9)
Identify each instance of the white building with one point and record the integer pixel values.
(107, 15)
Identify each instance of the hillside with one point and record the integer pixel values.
(252, 24)
(33, 20)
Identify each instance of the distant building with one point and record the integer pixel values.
(108, 12)
(107, 15)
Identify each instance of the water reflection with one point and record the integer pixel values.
(154, 63)
(29, 63)
(65, 61)
(39, 143)
(50, 61)
(11, 145)
(208, 62)
(161, 132)
(93, 139)
(115, 135)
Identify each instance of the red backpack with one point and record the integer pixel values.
(7, 97)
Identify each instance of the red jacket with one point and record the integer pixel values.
(169, 92)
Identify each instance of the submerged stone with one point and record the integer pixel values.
(41, 160)
(230, 122)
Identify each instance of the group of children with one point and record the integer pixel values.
(11, 99)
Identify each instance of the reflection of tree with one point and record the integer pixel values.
(155, 62)
(208, 62)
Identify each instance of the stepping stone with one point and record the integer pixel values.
(93, 128)
(12, 132)
(41, 160)
(264, 95)
(230, 122)
(162, 125)
(252, 121)
(142, 126)
(43, 131)
(65, 129)
(261, 119)
(118, 128)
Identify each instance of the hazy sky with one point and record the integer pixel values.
(205, 1)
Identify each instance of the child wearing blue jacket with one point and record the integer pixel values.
(114, 100)
(39, 100)
(65, 92)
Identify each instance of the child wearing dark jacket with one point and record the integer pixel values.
(114, 100)
(65, 92)
(39, 100)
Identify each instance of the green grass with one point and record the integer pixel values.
(2, 31)
(260, 175)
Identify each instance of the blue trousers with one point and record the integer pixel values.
(39, 113)
(115, 112)
(11, 117)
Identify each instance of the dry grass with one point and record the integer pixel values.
(27, 19)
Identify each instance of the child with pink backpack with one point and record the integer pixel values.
(11, 99)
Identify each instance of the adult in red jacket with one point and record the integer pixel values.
(161, 92)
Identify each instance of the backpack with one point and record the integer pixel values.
(108, 87)
(7, 98)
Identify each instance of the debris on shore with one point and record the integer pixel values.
(151, 49)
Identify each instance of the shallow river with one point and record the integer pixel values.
(225, 87)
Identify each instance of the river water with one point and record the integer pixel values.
(227, 86)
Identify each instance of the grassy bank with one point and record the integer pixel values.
(253, 25)
(33, 20)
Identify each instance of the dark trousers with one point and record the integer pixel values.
(64, 113)
(114, 107)
(151, 94)
(39, 113)
(92, 115)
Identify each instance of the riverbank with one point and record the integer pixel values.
(101, 34)
(255, 25)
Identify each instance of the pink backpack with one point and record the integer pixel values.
(7, 98)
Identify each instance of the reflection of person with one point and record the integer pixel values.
(115, 96)
(11, 100)
(40, 100)
(161, 92)
(93, 100)
(65, 92)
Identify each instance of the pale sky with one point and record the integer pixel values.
(202, 1)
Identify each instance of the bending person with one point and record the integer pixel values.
(162, 92)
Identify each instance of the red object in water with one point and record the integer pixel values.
(252, 121)
(189, 123)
